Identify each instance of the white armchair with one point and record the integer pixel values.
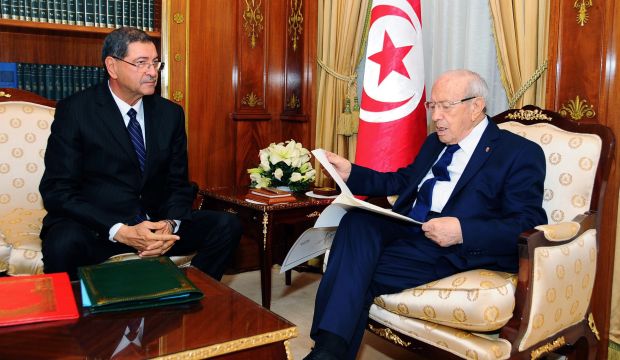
(25, 121)
(483, 314)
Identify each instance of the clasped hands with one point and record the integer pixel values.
(148, 238)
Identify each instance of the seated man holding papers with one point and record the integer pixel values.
(470, 192)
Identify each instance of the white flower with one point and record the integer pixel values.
(278, 160)
(278, 153)
(310, 175)
(259, 180)
(295, 177)
(278, 173)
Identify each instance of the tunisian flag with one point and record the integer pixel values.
(392, 116)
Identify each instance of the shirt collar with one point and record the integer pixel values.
(469, 143)
(123, 106)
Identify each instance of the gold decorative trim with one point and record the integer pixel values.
(178, 57)
(295, 21)
(178, 18)
(287, 348)
(265, 225)
(293, 102)
(177, 96)
(582, 11)
(231, 210)
(577, 109)
(548, 347)
(387, 333)
(252, 20)
(592, 326)
(234, 345)
(313, 214)
(5, 94)
(528, 115)
(252, 100)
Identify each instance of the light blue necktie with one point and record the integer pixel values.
(422, 205)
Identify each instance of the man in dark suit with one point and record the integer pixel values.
(116, 177)
(491, 191)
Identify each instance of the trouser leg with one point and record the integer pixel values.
(214, 235)
(67, 245)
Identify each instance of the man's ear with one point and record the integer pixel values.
(110, 65)
(478, 104)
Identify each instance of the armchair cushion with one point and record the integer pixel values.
(20, 245)
(476, 300)
(462, 343)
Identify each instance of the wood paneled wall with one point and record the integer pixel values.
(583, 85)
(246, 70)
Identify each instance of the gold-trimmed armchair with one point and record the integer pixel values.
(483, 314)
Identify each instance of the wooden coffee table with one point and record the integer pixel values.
(224, 324)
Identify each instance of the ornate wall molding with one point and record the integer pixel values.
(253, 20)
(250, 70)
(577, 109)
(294, 63)
(295, 21)
(582, 11)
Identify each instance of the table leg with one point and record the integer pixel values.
(287, 277)
(266, 262)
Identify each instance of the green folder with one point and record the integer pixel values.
(135, 284)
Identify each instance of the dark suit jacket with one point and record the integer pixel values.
(498, 196)
(91, 169)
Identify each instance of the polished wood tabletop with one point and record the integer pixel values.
(224, 324)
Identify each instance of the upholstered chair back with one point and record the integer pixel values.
(24, 129)
(572, 160)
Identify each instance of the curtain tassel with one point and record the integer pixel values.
(345, 120)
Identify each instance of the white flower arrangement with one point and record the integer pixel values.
(283, 164)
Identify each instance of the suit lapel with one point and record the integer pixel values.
(151, 120)
(111, 117)
(483, 151)
(411, 192)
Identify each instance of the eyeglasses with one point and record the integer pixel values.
(444, 105)
(144, 65)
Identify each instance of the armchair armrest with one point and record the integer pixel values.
(557, 236)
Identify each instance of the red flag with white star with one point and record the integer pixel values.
(392, 115)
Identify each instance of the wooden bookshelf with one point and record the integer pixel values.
(60, 44)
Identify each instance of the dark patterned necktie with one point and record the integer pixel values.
(422, 205)
(135, 133)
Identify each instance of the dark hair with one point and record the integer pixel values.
(117, 42)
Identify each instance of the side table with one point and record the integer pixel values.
(260, 222)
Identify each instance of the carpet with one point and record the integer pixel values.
(296, 304)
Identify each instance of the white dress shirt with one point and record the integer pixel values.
(443, 189)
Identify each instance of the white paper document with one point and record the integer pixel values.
(346, 200)
(316, 240)
(312, 243)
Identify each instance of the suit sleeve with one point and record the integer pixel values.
(521, 198)
(365, 181)
(61, 181)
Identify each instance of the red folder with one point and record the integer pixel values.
(27, 299)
